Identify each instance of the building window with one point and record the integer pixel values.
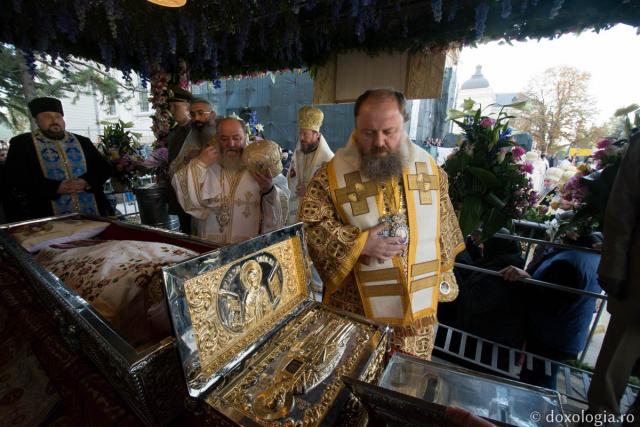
(111, 108)
(143, 98)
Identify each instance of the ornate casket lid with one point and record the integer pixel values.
(228, 302)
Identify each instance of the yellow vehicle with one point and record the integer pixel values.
(580, 152)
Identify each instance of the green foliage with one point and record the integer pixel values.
(74, 78)
(487, 185)
(560, 109)
(122, 149)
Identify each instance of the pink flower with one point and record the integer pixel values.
(604, 143)
(527, 167)
(487, 122)
(517, 153)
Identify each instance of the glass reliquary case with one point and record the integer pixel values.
(255, 347)
(429, 389)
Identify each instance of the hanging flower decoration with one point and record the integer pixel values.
(488, 184)
(157, 162)
(247, 36)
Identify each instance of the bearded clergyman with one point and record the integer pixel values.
(311, 152)
(229, 203)
(380, 226)
(54, 172)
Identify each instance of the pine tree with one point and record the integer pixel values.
(24, 77)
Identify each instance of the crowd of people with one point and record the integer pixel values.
(380, 228)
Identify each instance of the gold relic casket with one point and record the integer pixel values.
(255, 347)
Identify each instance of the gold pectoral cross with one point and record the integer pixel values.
(222, 211)
(422, 182)
(356, 193)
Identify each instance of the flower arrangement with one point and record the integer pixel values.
(540, 214)
(587, 192)
(253, 128)
(122, 149)
(488, 184)
(607, 153)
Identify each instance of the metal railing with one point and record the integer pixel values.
(506, 361)
(530, 242)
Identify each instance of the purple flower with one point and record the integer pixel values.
(517, 153)
(487, 122)
(604, 143)
(527, 167)
(599, 154)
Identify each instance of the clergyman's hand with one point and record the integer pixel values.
(68, 186)
(264, 180)
(191, 155)
(208, 156)
(381, 247)
(513, 274)
(301, 190)
(79, 184)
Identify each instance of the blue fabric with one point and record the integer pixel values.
(558, 319)
(62, 160)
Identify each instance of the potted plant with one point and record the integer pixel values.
(488, 184)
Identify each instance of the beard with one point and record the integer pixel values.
(233, 163)
(205, 132)
(53, 134)
(198, 124)
(309, 148)
(380, 169)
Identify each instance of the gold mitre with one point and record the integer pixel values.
(310, 118)
(263, 155)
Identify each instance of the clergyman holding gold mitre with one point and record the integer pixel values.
(229, 200)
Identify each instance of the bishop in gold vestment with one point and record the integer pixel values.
(311, 152)
(380, 226)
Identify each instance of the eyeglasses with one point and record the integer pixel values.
(199, 113)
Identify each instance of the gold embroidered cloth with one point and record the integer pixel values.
(335, 248)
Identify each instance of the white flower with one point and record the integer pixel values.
(259, 127)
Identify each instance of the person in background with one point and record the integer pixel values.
(53, 172)
(550, 186)
(311, 152)
(557, 322)
(619, 273)
(489, 306)
(229, 203)
(543, 157)
(178, 100)
(201, 135)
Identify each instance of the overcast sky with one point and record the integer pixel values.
(612, 57)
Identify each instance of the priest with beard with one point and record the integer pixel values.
(311, 153)
(380, 226)
(201, 134)
(54, 172)
(228, 203)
